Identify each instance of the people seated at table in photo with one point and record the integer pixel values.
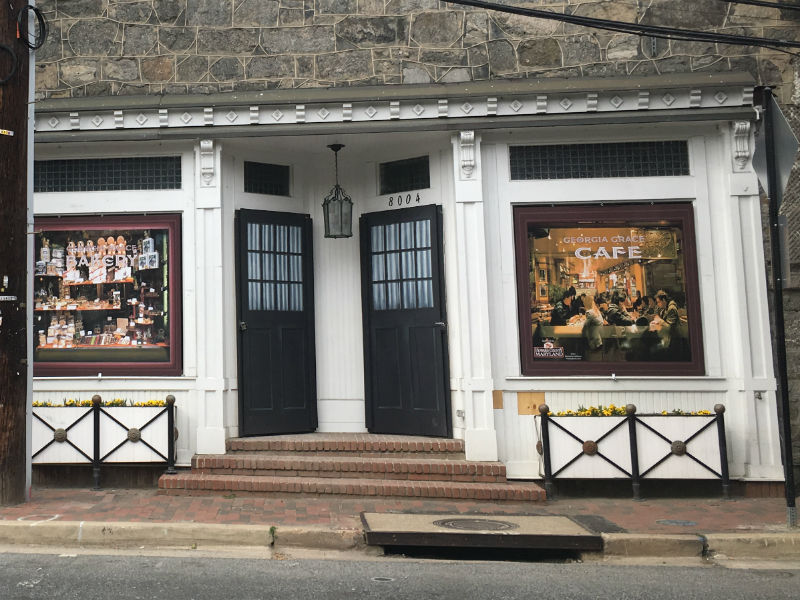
(578, 303)
(616, 314)
(638, 303)
(562, 311)
(594, 320)
(668, 317)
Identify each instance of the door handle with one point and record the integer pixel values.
(440, 325)
(242, 326)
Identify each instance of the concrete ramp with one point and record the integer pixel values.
(479, 531)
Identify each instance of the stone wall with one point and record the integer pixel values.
(115, 47)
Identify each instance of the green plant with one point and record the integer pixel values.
(273, 535)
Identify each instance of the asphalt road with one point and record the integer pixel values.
(124, 577)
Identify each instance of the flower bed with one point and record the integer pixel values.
(614, 442)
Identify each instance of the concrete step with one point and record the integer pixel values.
(392, 467)
(195, 484)
(349, 444)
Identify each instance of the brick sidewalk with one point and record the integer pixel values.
(662, 516)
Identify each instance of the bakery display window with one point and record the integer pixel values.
(107, 295)
(608, 290)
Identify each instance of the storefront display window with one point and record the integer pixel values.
(608, 289)
(107, 296)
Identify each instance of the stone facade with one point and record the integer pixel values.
(121, 47)
(179, 47)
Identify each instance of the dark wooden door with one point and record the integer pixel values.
(277, 377)
(405, 337)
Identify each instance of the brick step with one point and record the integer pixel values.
(366, 445)
(348, 467)
(198, 484)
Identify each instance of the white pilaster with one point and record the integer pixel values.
(475, 369)
(210, 301)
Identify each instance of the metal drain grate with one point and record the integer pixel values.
(475, 524)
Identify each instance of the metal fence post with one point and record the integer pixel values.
(96, 401)
(630, 411)
(549, 486)
(723, 450)
(171, 435)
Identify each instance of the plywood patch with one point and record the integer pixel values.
(497, 399)
(528, 403)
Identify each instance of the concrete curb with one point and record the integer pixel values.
(648, 545)
(779, 546)
(186, 535)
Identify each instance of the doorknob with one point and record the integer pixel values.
(242, 326)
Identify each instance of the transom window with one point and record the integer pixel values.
(107, 174)
(265, 178)
(402, 276)
(405, 175)
(274, 267)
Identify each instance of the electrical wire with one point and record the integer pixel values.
(657, 31)
(22, 27)
(13, 55)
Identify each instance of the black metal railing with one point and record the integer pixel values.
(677, 448)
(133, 435)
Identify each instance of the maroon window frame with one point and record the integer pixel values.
(678, 215)
(170, 222)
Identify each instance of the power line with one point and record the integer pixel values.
(635, 29)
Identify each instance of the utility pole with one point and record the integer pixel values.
(14, 58)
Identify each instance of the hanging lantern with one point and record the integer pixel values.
(338, 207)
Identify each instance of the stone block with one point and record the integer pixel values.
(46, 6)
(478, 55)
(78, 71)
(209, 13)
(453, 58)
(370, 7)
(95, 37)
(139, 40)
(580, 50)
(476, 28)
(177, 39)
(336, 7)
(686, 14)
(539, 54)
(480, 73)
(624, 47)
(82, 9)
(437, 29)
(314, 39)
(304, 66)
(402, 7)
(120, 69)
(337, 66)
(168, 11)
(97, 88)
(203, 88)
(192, 69)
(256, 13)
(264, 67)
(131, 12)
(413, 73)
(52, 45)
(227, 41)
(291, 16)
(521, 27)
(502, 57)
(456, 75)
(158, 68)
(46, 76)
(368, 32)
(226, 69)
(603, 69)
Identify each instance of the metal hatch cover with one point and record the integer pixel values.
(539, 532)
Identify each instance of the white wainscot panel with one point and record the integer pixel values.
(78, 426)
(564, 448)
(340, 416)
(653, 448)
(119, 427)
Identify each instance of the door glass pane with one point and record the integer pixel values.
(379, 296)
(281, 238)
(378, 268)
(425, 293)
(295, 268)
(408, 264)
(423, 263)
(252, 237)
(409, 295)
(281, 270)
(407, 235)
(269, 266)
(269, 296)
(254, 265)
(296, 297)
(295, 240)
(423, 234)
(393, 296)
(392, 234)
(393, 266)
(377, 238)
(268, 240)
(282, 290)
(253, 296)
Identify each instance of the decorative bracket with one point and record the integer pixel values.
(208, 168)
(466, 145)
(741, 144)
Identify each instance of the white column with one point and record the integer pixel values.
(480, 437)
(209, 297)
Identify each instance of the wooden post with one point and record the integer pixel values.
(13, 258)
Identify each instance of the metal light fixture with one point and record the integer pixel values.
(338, 207)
